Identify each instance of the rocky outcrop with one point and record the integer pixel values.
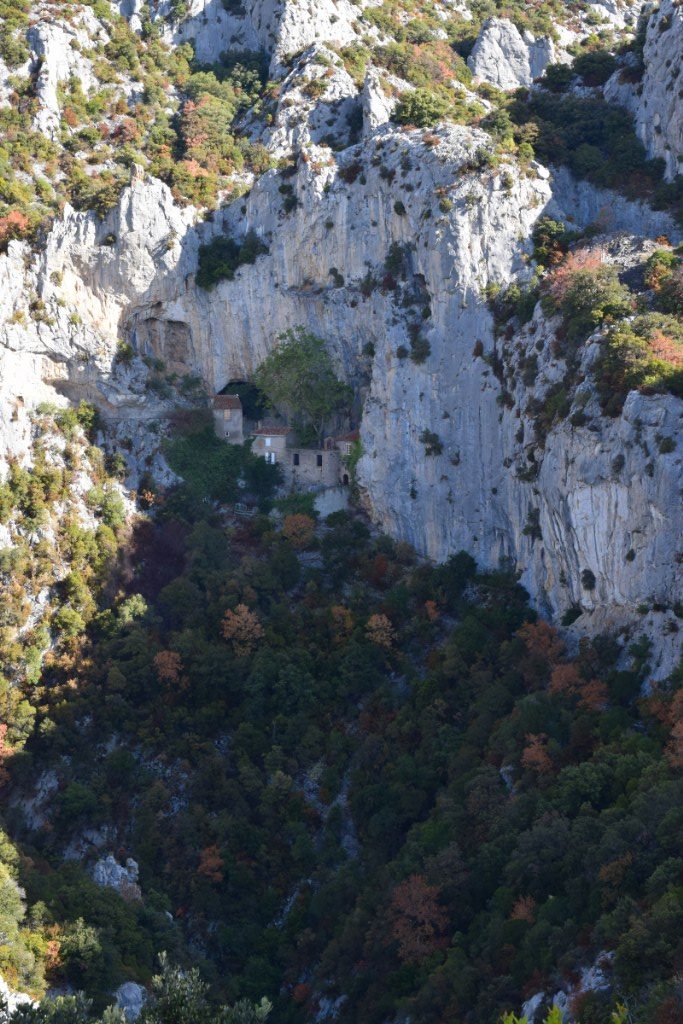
(280, 27)
(508, 58)
(56, 48)
(595, 978)
(130, 997)
(618, 15)
(122, 877)
(414, 227)
(378, 105)
(285, 27)
(583, 203)
(659, 121)
(13, 1000)
(318, 103)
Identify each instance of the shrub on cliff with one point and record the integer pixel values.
(421, 108)
(596, 141)
(646, 354)
(220, 258)
(588, 293)
(664, 274)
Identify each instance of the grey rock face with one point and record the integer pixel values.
(659, 119)
(655, 102)
(585, 204)
(480, 492)
(108, 873)
(377, 105)
(281, 27)
(395, 238)
(507, 58)
(13, 1000)
(130, 997)
(56, 46)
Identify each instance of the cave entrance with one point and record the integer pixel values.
(254, 404)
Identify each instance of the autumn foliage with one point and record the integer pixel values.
(535, 756)
(419, 922)
(211, 864)
(524, 909)
(342, 622)
(13, 225)
(168, 666)
(242, 628)
(562, 276)
(299, 530)
(542, 640)
(566, 679)
(380, 631)
(5, 752)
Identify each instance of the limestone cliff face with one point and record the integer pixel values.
(660, 117)
(385, 249)
(56, 51)
(280, 27)
(584, 500)
(656, 101)
(61, 312)
(508, 58)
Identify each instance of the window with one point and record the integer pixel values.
(295, 458)
(319, 460)
(270, 458)
(269, 442)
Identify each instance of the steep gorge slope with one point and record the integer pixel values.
(303, 737)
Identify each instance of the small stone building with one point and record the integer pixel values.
(344, 446)
(228, 418)
(306, 467)
(270, 442)
(313, 467)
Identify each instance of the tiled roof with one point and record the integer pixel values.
(353, 436)
(271, 431)
(227, 402)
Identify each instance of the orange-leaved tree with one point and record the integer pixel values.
(211, 864)
(535, 755)
(418, 919)
(242, 628)
(299, 530)
(168, 666)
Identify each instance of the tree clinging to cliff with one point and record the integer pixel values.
(298, 379)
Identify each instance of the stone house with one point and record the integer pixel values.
(306, 467)
(344, 446)
(315, 468)
(228, 418)
(346, 442)
(270, 442)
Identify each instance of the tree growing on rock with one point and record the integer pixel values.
(298, 379)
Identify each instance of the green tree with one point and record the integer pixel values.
(298, 378)
(181, 997)
(421, 108)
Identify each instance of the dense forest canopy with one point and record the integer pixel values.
(346, 771)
